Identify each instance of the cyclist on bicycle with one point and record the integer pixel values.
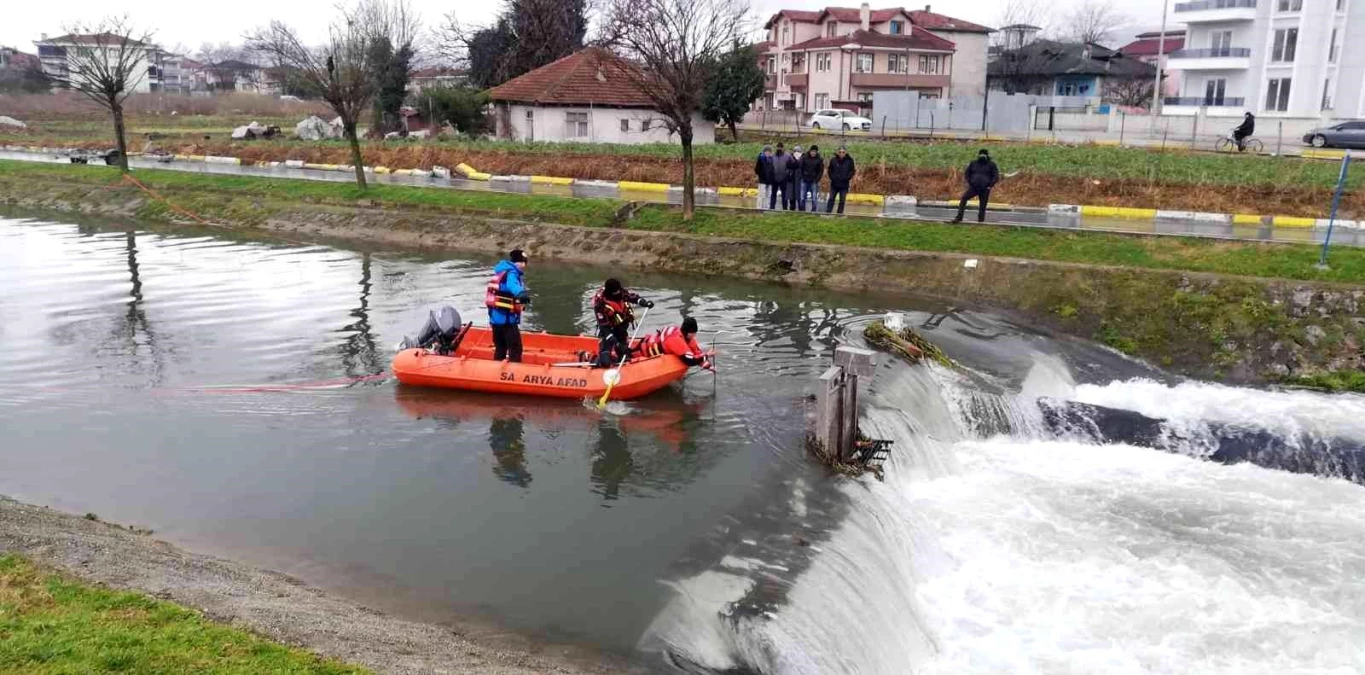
(1243, 131)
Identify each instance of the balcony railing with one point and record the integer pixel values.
(1204, 101)
(1211, 53)
(1203, 5)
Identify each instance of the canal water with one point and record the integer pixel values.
(231, 394)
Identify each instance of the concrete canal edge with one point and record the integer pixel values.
(1235, 329)
(280, 607)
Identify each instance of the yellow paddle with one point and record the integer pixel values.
(612, 376)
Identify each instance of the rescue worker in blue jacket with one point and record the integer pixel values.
(505, 296)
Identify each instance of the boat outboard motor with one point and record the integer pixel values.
(440, 333)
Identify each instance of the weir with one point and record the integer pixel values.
(836, 415)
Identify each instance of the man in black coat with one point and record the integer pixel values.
(841, 172)
(784, 165)
(763, 170)
(981, 175)
(1244, 131)
(812, 170)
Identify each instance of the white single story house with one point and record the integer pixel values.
(585, 97)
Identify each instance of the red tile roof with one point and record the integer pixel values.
(21, 60)
(918, 38)
(592, 76)
(800, 16)
(855, 15)
(1150, 46)
(932, 21)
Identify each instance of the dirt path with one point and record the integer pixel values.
(277, 606)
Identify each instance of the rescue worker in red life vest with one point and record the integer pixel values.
(680, 341)
(611, 305)
(505, 296)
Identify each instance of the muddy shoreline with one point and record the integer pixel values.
(280, 607)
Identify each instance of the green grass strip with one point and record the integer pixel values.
(52, 624)
(1284, 261)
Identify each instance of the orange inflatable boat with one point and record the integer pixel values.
(550, 366)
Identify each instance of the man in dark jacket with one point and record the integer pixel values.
(981, 175)
(763, 169)
(783, 166)
(841, 172)
(1244, 131)
(795, 188)
(812, 169)
(611, 307)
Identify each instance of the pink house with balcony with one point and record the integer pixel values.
(837, 57)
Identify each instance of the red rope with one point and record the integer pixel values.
(128, 178)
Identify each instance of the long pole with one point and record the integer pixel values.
(1160, 53)
(614, 375)
(1336, 201)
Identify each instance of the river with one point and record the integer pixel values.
(230, 394)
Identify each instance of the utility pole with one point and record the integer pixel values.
(1160, 54)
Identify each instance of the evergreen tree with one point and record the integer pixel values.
(736, 83)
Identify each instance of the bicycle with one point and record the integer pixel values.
(1229, 144)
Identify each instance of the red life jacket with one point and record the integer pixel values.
(612, 313)
(494, 298)
(670, 341)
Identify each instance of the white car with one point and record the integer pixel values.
(839, 120)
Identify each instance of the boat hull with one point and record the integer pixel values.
(542, 372)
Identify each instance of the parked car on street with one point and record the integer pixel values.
(1344, 135)
(832, 119)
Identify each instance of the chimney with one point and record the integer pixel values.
(865, 15)
(42, 36)
(928, 9)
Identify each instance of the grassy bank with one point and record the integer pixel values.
(50, 623)
(250, 194)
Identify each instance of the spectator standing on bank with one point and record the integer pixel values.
(981, 175)
(763, 169)
(782, 169)
(841, 172)
(793, 190)
(812, 170)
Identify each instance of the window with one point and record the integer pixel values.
(832, 29)
(1220, 41)
(1333, 51)
(821, 101)
(823, 61)
(1286, 42)
(864, 97)
(625, 125)
(1277, 95)
(786, 34)
(798, 63)
(1214, 91)
(898, 63)
(576, 124)
(772, 66)
(1341, 5)
(897, 27)
(1327, 94)
(1290, 5)
(863, 64)
(929, 65)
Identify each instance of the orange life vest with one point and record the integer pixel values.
(612, 313)
(670, 341)
(494, 298)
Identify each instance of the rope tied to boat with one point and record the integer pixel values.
(128, 178)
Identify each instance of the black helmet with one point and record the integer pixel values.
(689, 326)
(613, 287)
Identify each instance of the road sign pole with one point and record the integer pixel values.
(1336, 201)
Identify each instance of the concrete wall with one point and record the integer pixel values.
(969, 62)
(899, 110)
(604, 126)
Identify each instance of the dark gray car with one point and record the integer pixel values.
(1344, 135)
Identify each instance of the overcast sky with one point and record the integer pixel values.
(191, 24)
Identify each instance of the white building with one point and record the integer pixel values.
(56, 55)
(585, 97)
(1293, 59)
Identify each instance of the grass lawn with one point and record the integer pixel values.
(1084, 161)
(50, 623)
(1288, 261)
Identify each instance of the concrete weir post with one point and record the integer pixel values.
(836, 418)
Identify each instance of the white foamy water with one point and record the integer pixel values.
(1017, 554)
(1189, 403)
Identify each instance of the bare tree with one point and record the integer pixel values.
(526, 35)
(1094, 21)
(341, 72)
(105, 62)
(1129, 91)
(1025, 12)
(675, 44)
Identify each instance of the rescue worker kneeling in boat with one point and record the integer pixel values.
(680, 341)
(611, 305)
(505, 297)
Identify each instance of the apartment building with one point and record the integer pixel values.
(1275, 58)
(839, 56)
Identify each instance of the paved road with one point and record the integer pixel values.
(1032, 217)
